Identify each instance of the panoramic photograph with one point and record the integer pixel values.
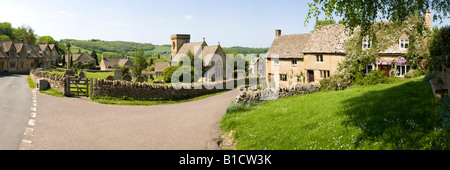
(230, 76)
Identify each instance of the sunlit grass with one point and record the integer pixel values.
(387, 116)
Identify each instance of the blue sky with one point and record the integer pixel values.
(249, 23)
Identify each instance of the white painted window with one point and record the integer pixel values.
(369, 68)
(283, 77)
(403, 43)
(402, 70)
(366, 44)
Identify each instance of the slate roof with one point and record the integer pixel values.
(160, 66)
(111, 62)
(327, 39)
(289, 46)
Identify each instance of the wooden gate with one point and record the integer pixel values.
(77, 87)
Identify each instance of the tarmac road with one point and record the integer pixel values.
(79, 124)
(15, 110)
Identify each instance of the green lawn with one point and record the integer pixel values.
(389, 116)
(98, 75)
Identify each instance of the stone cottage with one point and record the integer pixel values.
(181, 46)
(312, 57)
(22, 57)
(109, 63)
(84, 58)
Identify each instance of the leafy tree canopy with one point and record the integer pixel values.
(364, 13)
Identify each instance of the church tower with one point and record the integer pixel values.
(177, 40)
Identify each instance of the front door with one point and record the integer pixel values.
(310, 76)
(385, 69)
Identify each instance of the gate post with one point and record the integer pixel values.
(91, 82)
(67, 87)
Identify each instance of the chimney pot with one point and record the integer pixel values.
(277, 33)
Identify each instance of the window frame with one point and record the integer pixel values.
(283, 77)
(366, 42)
(404, 42)
(367, 71)
(294, 62)
(402, 71)
(319, 58)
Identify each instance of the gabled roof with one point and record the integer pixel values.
(289, 46)
(190, 47)
(2, 54)
(160, 66)
(76, 57)
(51, 46)
(7, 46)
(327, 39)
(111, 62)
(43, 47)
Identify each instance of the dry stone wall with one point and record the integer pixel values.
(146, 91)
(56, 82)
(249, 95)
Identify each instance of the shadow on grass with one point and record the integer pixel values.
(402, 117)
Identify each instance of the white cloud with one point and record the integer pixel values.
(188, 17)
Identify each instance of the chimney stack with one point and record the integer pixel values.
(428, 20)
(277, 33)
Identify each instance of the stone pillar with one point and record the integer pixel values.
(69, 59)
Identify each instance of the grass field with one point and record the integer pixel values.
(399, 116)
(99, 75)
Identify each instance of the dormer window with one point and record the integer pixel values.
(366, 44)
(404, 43)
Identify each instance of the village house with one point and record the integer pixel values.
(181, 46)
(159, 68)
(109, 63)
(22, 57)
(84, 58)
(312, 57)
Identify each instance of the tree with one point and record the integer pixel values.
(25, 33)
(323, 22)
(140, 62)
(4, 38)
(94, 55)
(365, 13)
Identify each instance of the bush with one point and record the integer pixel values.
(374, 77)
(167, 73)
(412, 74)
(336, 82)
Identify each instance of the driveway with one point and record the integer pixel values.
(79, 124)
(15, 110)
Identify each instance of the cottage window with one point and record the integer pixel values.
(294, 63)
(277, 62)
(404, 43)
(283, 77)
(12, 65)
(369, 68)
(324, 74)
(366, 44)
(319, 58)
(299, 79)
(402, 70)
